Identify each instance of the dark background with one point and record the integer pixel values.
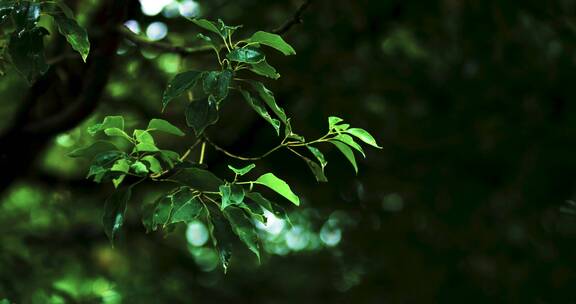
(471, 100)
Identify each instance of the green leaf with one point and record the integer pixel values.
(281, 187)
(117, 132)
(217, 83)
(364, 136)
(291, 135)
(199, 179)
(178, 85)
(118, 180)
(108, 122)
(186, 206)
(232, 194)
(145, 147)
(93, 150)
(242, 171)
(121, 165)
(164, 126)
(347, 153)
(333, 121)
(26, 50)
(139, 168)
(227, 30)
(243, 228)
(162, 212)
(246, 55)
(253, 210)
(201, 114)
(170, 157)
(208, 25)
(257, 105)
(153, 163)
(268, 98)
(316, 170)
(272, 40)
(221, 234)
(74, 33)
(115, 212)
(262, 68)
(274, 208)
(319, 156)
(143, 136)
(347, 139)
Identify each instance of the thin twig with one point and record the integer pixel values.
(296, 19)
(218, 148)
(181, 50)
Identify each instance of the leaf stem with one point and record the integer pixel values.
(203, 149)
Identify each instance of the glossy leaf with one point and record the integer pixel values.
(26, 50)
(243, 228)
(162, 125)
(333, 121)
(107, 123)
(143, 136)
(121, 165)
(186, 206)
(272, 40)
(232, 194)
(274, 208)
(207, 25)
(117, 132)
(178, 85)
(281, 187)
(196, 178)
(74, 33)
(347, 139)
(347, 153)
(153, 163)
(243, 170)
(115, 212)
(201, 114)
(246, 55)
(319, 156)
(364, 136)
(268, 98)
(264, 69)
(317, 170)
(259, 107)
(139, 168)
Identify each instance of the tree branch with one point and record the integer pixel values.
(166, 47)
(296, 19)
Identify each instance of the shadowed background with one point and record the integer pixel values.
(470, 99)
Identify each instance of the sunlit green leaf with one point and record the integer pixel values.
(268, 98)
(281, 187)
(121, 165)
(274, 208)
(364, 136)
(243, 170)
(156, 124)
(108, 122)
(272, 40)
(117, 132)
(207, 25)
(319, 156)
(347, 139)
(347, 153)
(139, 168)
(153, 163)
(333, 121)
(264, 69)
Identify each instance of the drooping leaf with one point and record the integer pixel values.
(139, 168)
(153, 163)
(121, 165)
(243, 170)
(118, 180)
(281, 187)
(162, 212)
(364, 136)
(257, 105)
(74, 33)
(169, 157)
(115, 212)
(272, 40)
(243, 228)
(246, 55)
(162, 125)
(187, 207)
(264, 69)
(319, 156)
(268, 98)
(288, 133)
(118, 133)
(221, 234)
(196, 178)
(178, 85)
(347, 139)
(347, 153)
(274, 208)
(201, 114)
(91, 151)
(317, 170)
(217, 83)
(232, 194)
(26, 50)
(253, 210)
(107, 123)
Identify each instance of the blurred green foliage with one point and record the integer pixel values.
(471, 101)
